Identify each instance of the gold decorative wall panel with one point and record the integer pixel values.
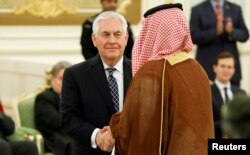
(60, 12)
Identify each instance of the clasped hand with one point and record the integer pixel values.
(105, 140)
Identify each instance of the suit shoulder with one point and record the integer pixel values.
(81, 67)
(236, 90)
(77, 67)
(200, 6)
(233, 5)
(213, 85)
(89, 21)
(48, 93)
(214, 88)
(126, 60)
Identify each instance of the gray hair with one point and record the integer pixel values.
(108, 15)
(59, 66)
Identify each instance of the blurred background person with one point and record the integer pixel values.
(88, 48)
(7, 127)
(47, 117)
(216, 26)
(222, 89)
(236, 118)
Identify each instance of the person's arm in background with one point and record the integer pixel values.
(46, 112)
(237, 31)
(200, 35)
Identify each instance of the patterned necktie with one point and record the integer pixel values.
(217, 8)
(113, 88)
(226, 95)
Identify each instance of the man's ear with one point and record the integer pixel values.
(214, 68)
(93, 37)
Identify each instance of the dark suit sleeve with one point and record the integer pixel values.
(201, 35)
(7, 125)
(88, 49)
(240, 32)
(46, 111)
(71, 122)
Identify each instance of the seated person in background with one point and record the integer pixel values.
(47, 117)
(7, 127)
(236, 118)
(222, 89)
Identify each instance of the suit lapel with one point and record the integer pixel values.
(217, 95)
(227, 10)
(210, 14)
(98, 75)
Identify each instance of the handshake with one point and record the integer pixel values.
(104, 139)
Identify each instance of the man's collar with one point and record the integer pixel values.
(221, 85)
(118, 66)
(214, 2)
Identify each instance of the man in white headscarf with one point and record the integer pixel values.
(167, 109)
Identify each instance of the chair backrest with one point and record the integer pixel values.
(26, 111)
(24, 108)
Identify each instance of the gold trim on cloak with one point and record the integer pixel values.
(177, 58)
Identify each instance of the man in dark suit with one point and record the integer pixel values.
(216, 26)
(88, 48)
(222, 89)
(7, 127)
(47, 117)
(95, 89)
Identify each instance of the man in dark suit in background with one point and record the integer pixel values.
(222, 89)
(216, 26)
(95, 89)
(7, 127)
(88, 48)
(47, 117)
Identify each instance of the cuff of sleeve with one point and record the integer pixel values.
(93, 143)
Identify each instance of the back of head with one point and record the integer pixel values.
(164, 32)
(59, 66)
(57, 75)
(236, 117)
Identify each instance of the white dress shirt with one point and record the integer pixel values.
(213, 2)
(118, 75)
(221, 87)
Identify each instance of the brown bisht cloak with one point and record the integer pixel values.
(167, 110)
